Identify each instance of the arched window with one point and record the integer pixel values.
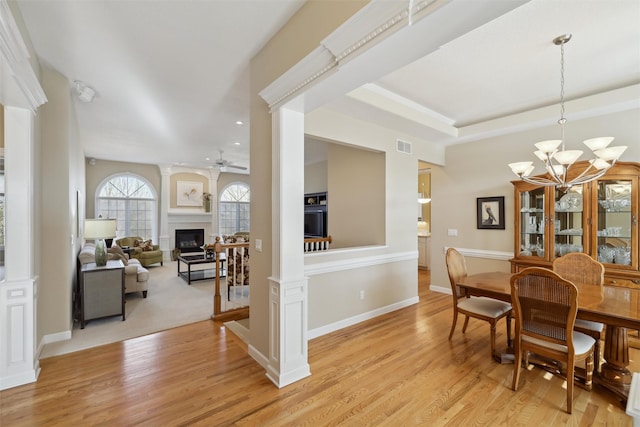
(132, 201)
(234, 208)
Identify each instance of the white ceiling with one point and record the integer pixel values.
(172, 76)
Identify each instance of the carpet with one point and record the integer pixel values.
(170, 302)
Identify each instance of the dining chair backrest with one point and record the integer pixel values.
(579, 268)
(457, 269)
(545, 305)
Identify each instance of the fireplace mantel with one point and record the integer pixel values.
(189, 216)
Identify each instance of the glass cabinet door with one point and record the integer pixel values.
(568, 221)
(614, 222)
(532, 222)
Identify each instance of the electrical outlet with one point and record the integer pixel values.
(259, 245)
(452, 232)
(361, 294)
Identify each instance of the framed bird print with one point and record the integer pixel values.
(490, 212)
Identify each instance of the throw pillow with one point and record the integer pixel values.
(117, 250)
(117, 256)
(147, 246)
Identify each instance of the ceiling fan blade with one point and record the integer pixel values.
(235, 167)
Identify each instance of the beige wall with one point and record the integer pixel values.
(315, 177)
(103, 169)
(479, 169)
(188, 177)
(303, 33)
(56, 157)
(398, 207)
(356, 205)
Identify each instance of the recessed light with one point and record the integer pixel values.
(207, 159)
(236, 143)
(239, 122)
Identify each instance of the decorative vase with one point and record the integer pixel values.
(100, 254)
(207, 205)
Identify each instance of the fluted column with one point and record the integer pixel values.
(165, 192)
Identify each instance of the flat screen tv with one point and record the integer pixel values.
(314, 223)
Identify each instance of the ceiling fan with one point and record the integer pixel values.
(222, 163)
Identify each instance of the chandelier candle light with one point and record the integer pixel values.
(557, 162)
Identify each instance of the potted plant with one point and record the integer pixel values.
(207, 201)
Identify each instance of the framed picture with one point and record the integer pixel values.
(491, 213)
(189, 193)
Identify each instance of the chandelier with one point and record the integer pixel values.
(558, 161)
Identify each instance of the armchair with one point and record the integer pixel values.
(142, 250)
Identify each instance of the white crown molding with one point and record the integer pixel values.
(369, 26)
(15, 56)
(622, 99)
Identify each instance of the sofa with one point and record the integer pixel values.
(135, 275)
(142, 250)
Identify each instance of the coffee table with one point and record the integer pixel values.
(192, 275)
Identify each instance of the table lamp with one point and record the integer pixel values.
(98, 230)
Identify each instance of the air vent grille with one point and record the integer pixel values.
(403, 146)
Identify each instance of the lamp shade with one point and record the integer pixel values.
(99, 228)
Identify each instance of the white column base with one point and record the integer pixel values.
(288, 331)
(18, 364)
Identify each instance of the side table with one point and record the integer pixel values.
(101, 291)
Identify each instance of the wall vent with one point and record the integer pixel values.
(403, 146)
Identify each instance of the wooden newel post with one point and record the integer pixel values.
(217, 297)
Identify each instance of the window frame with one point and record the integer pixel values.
(238, 204)
(123, 229)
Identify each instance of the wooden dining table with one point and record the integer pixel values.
(617, 307)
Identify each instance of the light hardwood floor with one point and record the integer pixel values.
(396, 370)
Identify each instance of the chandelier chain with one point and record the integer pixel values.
(562, 120)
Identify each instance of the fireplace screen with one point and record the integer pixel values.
(190, 240)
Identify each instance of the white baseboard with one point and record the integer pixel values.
(258, 357)
(440, 289)
(241, 331)
(60, 336)
(332, 327)
(21, 378)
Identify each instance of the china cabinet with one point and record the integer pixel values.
(599, 218)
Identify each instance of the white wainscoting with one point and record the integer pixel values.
(473, 253)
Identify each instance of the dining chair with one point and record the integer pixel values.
(545, 307)
(483, 308)
(580, 268)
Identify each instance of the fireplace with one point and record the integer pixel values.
(190, 240)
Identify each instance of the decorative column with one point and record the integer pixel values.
(287, 284)
(213, 189)
(18, 291)
(21, 94)
(165, 194)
